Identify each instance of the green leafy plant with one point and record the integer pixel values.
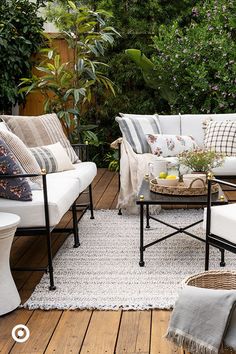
(69, 87)
(199, 160)
(137, 22)
(112, 157)
(21, 36)
(195, 61)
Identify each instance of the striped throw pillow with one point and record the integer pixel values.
(221, 137)
(52, 158)
(39, 131)
(134, 129)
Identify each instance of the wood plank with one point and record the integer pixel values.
(69, 333)
(231, 195)
(160, 345)
(114, 203)
(7, 323)
(102, 333)
(36, 255)
(106, 200)
(34, 277)
(102, 186)
(134, 334)
(41, 326)
(98, 177)
(19, 247)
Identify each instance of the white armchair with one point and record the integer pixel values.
(220, 225)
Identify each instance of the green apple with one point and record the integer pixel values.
(163, 175)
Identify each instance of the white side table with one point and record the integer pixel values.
(9, 296)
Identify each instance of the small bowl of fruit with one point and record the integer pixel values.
(167, 180)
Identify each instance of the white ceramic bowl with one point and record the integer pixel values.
(198, 179)
(167, 182)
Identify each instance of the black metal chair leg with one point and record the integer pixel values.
(147, 217)
(50, 267)
(222, 261)
(91, 201)
(207, 256)
(119, 212)
(75, 226)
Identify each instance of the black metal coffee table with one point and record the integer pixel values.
(147, 198)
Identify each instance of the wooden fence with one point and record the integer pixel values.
(34, 101)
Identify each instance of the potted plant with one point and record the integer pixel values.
(200, 160)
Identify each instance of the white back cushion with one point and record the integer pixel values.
(192, 124)
(170, 124)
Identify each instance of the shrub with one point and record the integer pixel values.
(20, 37)
(198, 61)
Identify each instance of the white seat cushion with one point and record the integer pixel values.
(228, 168)
(62, 192)
(223, 221)
(84, 172)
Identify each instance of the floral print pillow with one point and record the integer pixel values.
(12, 188)
(170, 145)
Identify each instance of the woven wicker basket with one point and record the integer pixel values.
(213, 279)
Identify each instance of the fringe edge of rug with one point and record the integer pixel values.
(27, 305)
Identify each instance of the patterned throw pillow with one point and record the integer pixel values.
(53, 158)
(135, 127)
(170, 145)
(23, 155)
(12, 188)
(221, 137)
(39, 131)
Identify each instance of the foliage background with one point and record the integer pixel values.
(197, 59)
(137, 22)
(20, 37)
(191, 42)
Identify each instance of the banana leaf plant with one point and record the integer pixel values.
(151, 75)
(69, 86)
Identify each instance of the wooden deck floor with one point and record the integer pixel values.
(72, 332)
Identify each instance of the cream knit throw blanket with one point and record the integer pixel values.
(203, 320)
(133, 168)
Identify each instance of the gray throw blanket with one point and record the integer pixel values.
(204, 319)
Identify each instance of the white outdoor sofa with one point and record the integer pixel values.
(133, 166)
(59, 193)
(42, 215)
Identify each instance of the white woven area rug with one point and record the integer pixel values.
(103, 273)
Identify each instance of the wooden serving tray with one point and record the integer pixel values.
(180, 189)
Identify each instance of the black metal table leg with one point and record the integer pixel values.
(141, 262)
(222, 261)
(207, 256)
(147, 217)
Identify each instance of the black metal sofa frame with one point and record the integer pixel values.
(48, 230)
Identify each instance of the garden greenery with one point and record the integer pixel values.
(20, 37)
(70, 87)
(196, 62)
(137, 22)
